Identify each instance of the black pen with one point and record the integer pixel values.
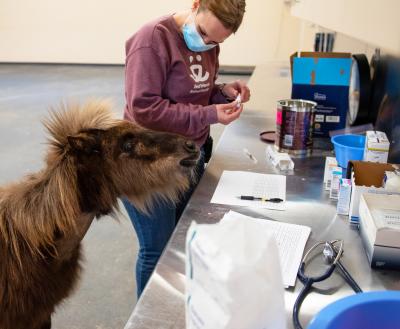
(249, 197)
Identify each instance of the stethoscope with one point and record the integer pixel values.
(331, 256)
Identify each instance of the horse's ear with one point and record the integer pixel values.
(85, 142)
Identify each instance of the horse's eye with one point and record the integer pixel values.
(127, 147)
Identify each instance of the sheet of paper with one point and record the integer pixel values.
(233, 184)
(291, 240)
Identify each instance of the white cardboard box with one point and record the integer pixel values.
(336, 175)
(356, 192)
(330, 163)
(343, 204)
(380, 229)
(376, 147)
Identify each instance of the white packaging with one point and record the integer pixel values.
(343, 204)
(376, 147)
(330, 163)
(233, 277)
(279, 159)
(391, 181)
(336, 175)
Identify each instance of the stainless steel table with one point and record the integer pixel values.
(162, 303)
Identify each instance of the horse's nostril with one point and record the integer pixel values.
(190, 146)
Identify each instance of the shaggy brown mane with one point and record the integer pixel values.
(68, 120)
(37, 213)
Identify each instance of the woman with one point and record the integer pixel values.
(171, 68)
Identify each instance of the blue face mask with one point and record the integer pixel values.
(193, 39)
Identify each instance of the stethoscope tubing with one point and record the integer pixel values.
(299, 300)
(309, 281)
(349, 279)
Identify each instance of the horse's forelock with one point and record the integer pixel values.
(70, 119)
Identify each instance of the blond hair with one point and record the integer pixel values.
(229, 12)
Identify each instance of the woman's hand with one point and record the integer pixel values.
(227, 113)
(235, 88)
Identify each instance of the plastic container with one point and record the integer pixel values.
(368, 310)
(348, 147)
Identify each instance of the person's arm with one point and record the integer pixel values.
(146, 73)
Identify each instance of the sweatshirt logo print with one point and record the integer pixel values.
(197, 70)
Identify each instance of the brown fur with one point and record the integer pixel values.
(92, 160)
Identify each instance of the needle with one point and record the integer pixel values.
(249, 155)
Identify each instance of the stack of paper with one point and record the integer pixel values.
(290, 238)
(234, 184)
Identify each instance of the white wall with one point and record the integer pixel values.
(74, 31)
(94, 31)
(374, 22)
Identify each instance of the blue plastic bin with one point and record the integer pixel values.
(348, 147)
(368, 310)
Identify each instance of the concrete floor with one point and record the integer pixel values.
(106, 294)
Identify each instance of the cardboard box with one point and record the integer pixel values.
(367, 177)
(323, 78)
(357, 191)
(335, 182)
(380, 229)
(376, 147)
(330, 163)
(343, 204)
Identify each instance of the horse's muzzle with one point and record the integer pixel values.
(194, 154)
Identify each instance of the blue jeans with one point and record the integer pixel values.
(154, 230)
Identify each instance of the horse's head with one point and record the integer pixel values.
(118, 158)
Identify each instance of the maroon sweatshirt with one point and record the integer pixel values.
(169, 87)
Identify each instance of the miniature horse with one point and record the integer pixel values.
(92, 160)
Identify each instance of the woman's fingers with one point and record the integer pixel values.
(228, 112)
(244, 91)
